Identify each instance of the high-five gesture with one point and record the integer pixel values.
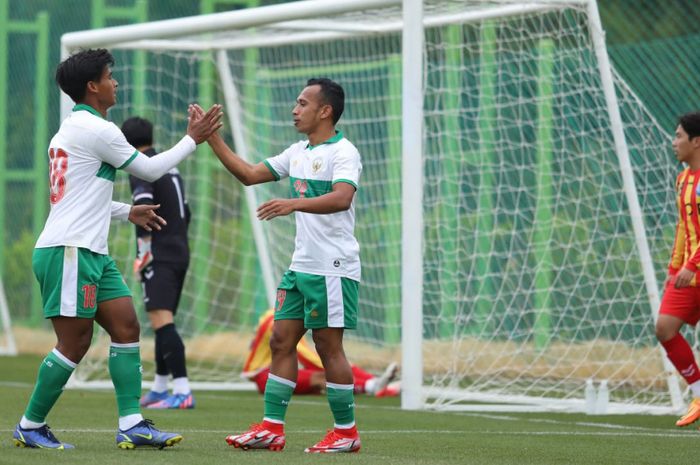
(201, 125)
(247, 173)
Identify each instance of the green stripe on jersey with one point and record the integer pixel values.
(272, 170)
(309, 187)
(128, 162)
(107, 172)
(338, 136)
(88, 108)
(346, 181)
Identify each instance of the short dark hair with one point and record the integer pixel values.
(138, 131)
(332, 93)
(73, 73)
(690, 122)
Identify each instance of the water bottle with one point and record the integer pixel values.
(602, 398)
(590, 397)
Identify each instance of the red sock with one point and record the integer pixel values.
(346, 432)
(304, 382)
(361, 377)
(681, 355)
(277, 428)
(261, 380)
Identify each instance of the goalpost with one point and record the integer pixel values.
(7, 339)
(515, 210)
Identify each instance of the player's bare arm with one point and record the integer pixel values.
(201, 125)
(146, 217)
(245, 172)
(339, 199)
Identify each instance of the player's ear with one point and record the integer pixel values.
(327, 111)
(695, 142)
(91, 86)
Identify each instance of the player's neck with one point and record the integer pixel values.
(94, 103)
(320, 135)
(694, 162)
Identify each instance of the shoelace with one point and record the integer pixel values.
(47, 432)
(256, 427)
(331, 437)
(148, 423)
(151, 426)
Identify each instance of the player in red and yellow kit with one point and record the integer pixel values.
(681, 301)
(311, 377)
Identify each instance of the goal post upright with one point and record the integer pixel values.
(232, 100)
(631, 194)
(10, 347)
(412, 207)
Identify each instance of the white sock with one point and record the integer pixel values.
(371, 386)
(24, 423)
(160, 383)
(695, 388)
(129, 421)
(181, 385)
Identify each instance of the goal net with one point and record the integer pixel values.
(535, 276)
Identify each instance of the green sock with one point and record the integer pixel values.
(342, 401)
(277, 397)
(125, 370)
(53, 375)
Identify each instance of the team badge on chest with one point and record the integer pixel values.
(316, 165)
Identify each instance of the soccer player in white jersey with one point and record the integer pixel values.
(78, 279)
(320, 290)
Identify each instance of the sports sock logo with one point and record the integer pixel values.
(688, 372)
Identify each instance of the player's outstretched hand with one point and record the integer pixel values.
(274, 208)
(145, 216)
(201, 125)
(195, 109)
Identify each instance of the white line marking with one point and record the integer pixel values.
(678, 434)
(321, 402)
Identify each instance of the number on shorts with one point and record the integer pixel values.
(89, 295)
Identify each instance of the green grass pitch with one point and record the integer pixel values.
(390, 436)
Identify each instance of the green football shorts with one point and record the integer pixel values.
(74, 280)
(321, 301)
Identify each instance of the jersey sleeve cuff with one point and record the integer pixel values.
(193, 144)
(120, 211)
(272, 170)
(347, 181)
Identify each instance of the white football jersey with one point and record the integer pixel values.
(84, 156)
(325, 244)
